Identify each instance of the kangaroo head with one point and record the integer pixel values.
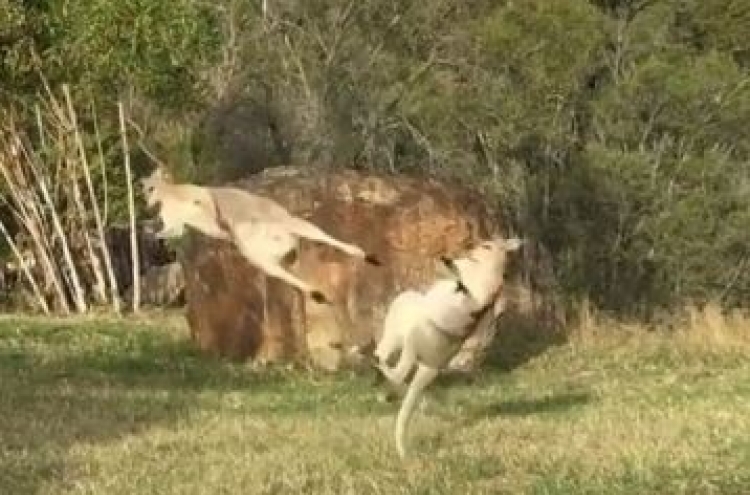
(153, 186)
(482, 269)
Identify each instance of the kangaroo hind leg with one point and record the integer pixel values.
(305, 229)
(266, 249)
(422, 378)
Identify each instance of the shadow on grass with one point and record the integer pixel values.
(121, 355)
(521, 338)
(64, 385)
(556, 403)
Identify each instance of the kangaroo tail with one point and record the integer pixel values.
(423, 377)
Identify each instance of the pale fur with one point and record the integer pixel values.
(264, 231)
(429, 328)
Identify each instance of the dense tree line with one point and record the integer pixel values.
(615, 131)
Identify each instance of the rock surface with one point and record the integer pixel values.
(234, 311)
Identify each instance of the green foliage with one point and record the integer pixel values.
(156, 47)
(22, 26)
(716, 26)
(613, 130)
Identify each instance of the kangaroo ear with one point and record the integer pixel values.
(513, 244)
(147, 182)
(450, 266)
(460, 287)
(160, 173)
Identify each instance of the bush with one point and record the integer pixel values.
(612, 130)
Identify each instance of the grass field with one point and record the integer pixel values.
(106, 407)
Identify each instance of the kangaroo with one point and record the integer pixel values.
(430, 328)
(265, 232)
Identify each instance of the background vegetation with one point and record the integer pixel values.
(615, 131)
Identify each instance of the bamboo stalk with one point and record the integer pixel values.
(143, 147)
(35, 225)
(53, 271)
(40, 126)
(97, 216)
(102, 165)
(78, 294)
(50, 271)
(27, 273)
(28, 222)
(28, 198)
(33, 219)
(131, 210)
(43, 145)
(114, 284)
(55, 108)
(96, 267)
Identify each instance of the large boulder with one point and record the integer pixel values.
(233, 310)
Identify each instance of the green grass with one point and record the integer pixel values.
(107, 407)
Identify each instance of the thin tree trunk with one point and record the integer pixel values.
(39, 240)
(40, 127)
(96, 267)
(131, 209)
(103, 165)
(27, 273)
(97, 216)
(78, 294)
